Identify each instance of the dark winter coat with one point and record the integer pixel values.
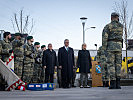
(84, 61)
(49, 60)
(66, 60)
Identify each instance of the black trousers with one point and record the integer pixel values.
(49, 78)
(74, 76)
(66, 82)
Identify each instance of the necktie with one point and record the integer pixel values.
(67, 49)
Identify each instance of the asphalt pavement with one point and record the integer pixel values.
(95, 93)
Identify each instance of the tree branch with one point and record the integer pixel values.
(15, 16)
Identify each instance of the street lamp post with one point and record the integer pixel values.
(96, 46)
(83, 19)
(90, 27)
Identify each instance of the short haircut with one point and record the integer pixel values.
(49, 44)
(66, 40)
(83, 45)
(6, 34)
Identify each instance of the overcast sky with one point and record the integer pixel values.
(56, 20)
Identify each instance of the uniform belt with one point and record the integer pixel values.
(115, 40)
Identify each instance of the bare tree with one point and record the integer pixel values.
(122, 8)
(22, 24)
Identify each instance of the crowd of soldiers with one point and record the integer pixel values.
(27, 57)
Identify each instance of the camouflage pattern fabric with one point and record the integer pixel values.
(112, 44)
(114, 60)
(37, 67)
(6, 46)
(101, 58)
(29, 61)
(19, 56)
(18, 66)
(42, 77)
(28, 72)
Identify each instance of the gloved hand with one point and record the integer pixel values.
(10, 51)
(32, 55)
(38, 60)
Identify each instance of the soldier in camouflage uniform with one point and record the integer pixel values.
(101, 59)
(29, 60)
(6, 46)
(5, 52)
(38, 64)
(18, 50)
(112, 43)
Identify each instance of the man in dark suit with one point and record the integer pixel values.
(49, 61)
(66, 63)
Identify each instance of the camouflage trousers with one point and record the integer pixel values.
(37, 73)
(114, 60)
(42, 78)
(104, 68)
(104, 71)
(28, 72)
(18, 65)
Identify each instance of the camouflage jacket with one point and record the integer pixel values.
(18, 48)
(38, 58)
(5, 46)
(29, 53)
(98, 54)
(101, 55)
(112, 36)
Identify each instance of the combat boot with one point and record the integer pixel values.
(106, 83)
(112, 84)
(118, 83)
(103, 83)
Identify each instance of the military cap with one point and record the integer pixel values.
(18, 34)
(36, 43)
(29, 37)
(6, 34)
(114, 14)
(43, 46)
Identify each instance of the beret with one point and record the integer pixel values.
(36, 43)
(43, 46)
(29, 37)
(18, 34)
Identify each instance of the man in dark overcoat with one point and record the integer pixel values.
(66, 63)
(49, 61)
